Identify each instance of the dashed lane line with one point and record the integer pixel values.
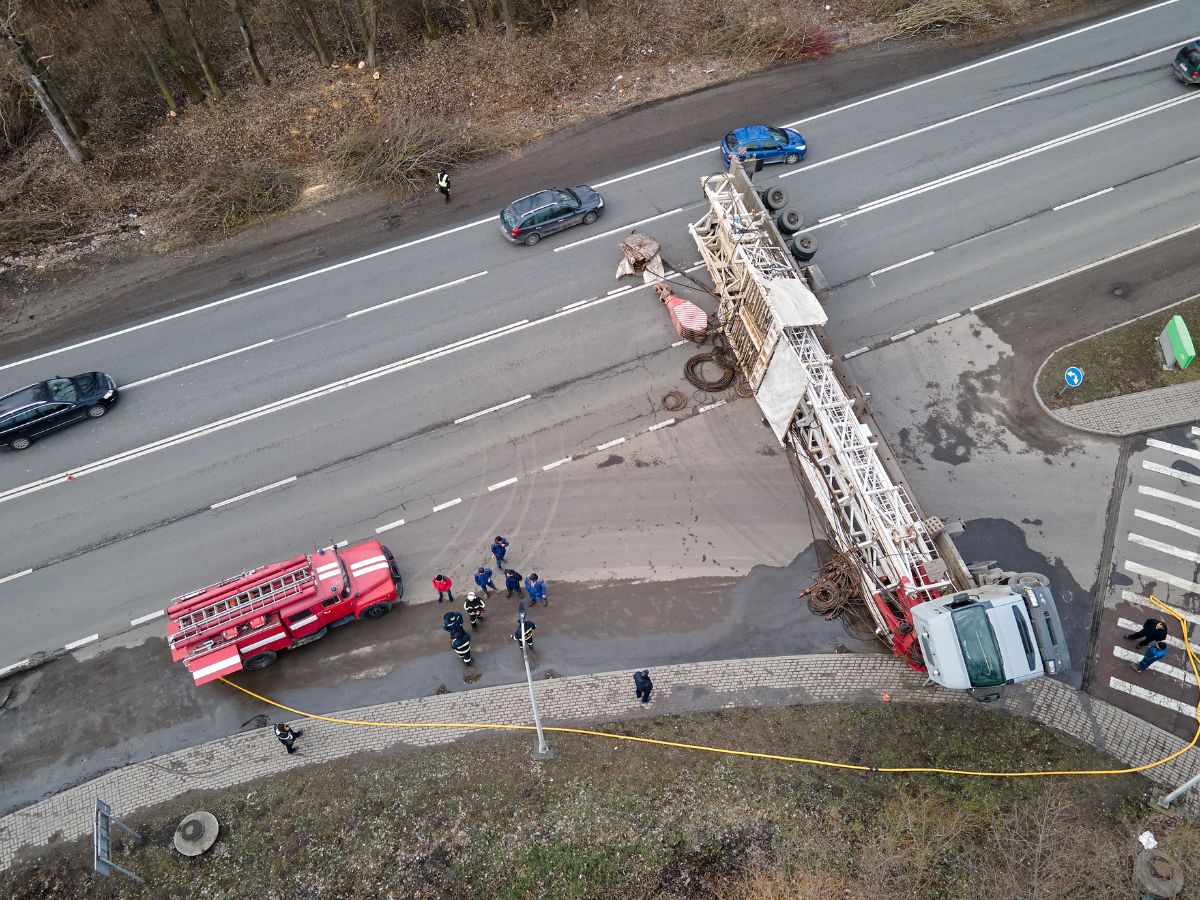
(389, 526)
(75, 645)
(502, 484)
(447, 504)
(254, 493)
(556, 463)
(613, 443)
(492, 409)
(15, 575)
(149, 617)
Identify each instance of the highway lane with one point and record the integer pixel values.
(325, 345)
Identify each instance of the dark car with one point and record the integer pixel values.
(528, 220)
(765, 142)
(49, 405)
(1187, 63)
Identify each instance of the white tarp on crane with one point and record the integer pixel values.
(782, 389)
(794, 304)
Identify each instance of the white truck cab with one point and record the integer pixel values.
(991, 636)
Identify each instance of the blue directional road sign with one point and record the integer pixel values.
(1074, 376)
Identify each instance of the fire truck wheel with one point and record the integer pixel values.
(378, 611)
(260, 661)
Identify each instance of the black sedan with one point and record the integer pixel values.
(50, 405)
(528, 220)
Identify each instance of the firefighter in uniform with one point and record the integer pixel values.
(475, 607)
(287, 736)
(460, 643)
(525, 637)
(452, 621)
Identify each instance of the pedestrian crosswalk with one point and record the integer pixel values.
(1157, 551)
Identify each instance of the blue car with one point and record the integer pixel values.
(764, 142)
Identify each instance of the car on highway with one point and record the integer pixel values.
(52, 404)
(1187, 63)
(765, 142)
(528, 220)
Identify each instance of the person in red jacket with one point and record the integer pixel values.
(442, 585)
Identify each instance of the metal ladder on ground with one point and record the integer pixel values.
(254, 598)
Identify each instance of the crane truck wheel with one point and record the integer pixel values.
(376, 611)
(260, 661)
(790, 221)
(774, 198)
(804, 247)
(1030, 579)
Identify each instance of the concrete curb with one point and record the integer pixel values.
(607, 697)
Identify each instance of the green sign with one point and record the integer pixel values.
(1178, 339)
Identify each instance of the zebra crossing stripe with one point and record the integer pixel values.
(1189, 555)
(1169, 523)
(1160, 469)
(1139, 600)
(1172, 641)
(1150, 696)
(1173, 448)
(1164, 577)
(1159, 668)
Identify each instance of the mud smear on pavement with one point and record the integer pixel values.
(72, 720)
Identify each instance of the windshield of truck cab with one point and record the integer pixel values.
(979, 649)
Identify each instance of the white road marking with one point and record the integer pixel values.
(338, 546)
(502, 484)
(902, 335)
(389, 526)
(1138, 600)
(1177, 449)
(413, 296)
(556, 463)
(1017, 156)
(491, 409)
(1159, 668)
(853, 353)
(244, 294)
(1188, 555)
(263, 489)
(987, 61)
(75, 645)
(707, 407)
(447, 504)
(576, 303)
(1142, 693)
(12, 668)
(15, 575)
(612, 231)
(950, 318)
(679, 343)
(1168, 496)
(1169, 523)
(913, 259)
(1107, 190)
(149, 617)
(620, 440)
(203, 362)
(1126, 625)
(1160, 469)
(662, 424)
(1087, 267)
(1165, 577)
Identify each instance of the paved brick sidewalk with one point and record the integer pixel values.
(1134, 413)
(769, 681)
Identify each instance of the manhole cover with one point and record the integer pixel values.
(196, 833)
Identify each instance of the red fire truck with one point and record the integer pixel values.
(244, 621)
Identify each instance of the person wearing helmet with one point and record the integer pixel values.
(475, 608)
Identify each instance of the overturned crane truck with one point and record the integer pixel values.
(974, 628)
(245, 621)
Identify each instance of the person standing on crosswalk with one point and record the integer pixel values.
(1154, 654)
(1152, 630)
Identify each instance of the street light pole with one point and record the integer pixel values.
(543, 751)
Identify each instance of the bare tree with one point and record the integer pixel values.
(472, 14)
(194, 94)
(510, 26)
(314, 32)
(67, 127)
(367, 19)
(585, 7)
(148, 55)
(210, 74)
(235, 6)
(427, 19)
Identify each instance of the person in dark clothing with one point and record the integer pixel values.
(287, 736)
(475, 608)
(483, 578)
(498, 549)
(443, 183)
(460, 643)
(512, 582)
(1153, 655)
(643, 685)
(442, 585)
(524, 636)
(1152, 630)
(452, 621)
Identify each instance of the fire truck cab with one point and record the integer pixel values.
(243, 622)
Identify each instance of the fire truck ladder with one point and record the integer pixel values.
(259, 597)
(866, 513)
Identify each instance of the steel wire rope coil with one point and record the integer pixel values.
(742, 387)
(692, 370)
(673, 401)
